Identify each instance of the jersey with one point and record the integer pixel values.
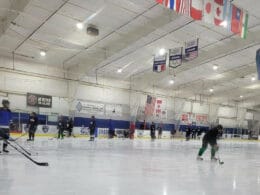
(92, 125)
(62, 124)
(152, 128)
(211, 136)
(5, 117)
(33, 122)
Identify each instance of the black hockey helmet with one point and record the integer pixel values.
(5, 102)
(220, 127)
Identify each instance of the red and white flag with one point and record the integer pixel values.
(183, 7)
(196, 9)
(150, 105)
(208, 11)
(219, 12)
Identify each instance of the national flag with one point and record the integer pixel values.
(160, 68)
(159, 101)
(183, 7)
(170, 4)
(196, 9)
(159, 63)
(208, 11)
(245, 26)
(226, 13)
(160, 1)
(150, 105)
(237, 20)
(219, 11)
(167, 3)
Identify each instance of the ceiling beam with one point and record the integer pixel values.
(35, 30)
(16, 7)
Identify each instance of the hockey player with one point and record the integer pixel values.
(188, 133)
(32, 124)
(61, 126)
(111, 130)
(92, 127)
(160, 130)
(210, 138)
(173, 132)
(70, 126)
(132, 130)
(5, 118)
(152, 129)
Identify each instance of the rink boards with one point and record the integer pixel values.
(51, 131)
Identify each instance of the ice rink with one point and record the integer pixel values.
(125, 167)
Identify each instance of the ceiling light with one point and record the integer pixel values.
(80, 25)
(224, 23)
(119, 70)
(162, 51)
(43, 53)
(215, 67)
(241, 96)
(211, 90)
(253, 79)
(171, 81)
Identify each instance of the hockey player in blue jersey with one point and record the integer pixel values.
(5, 118)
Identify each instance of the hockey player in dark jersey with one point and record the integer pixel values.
(32, 124)
(152, 131)
(5, 118)
(210, 138)
(92, 128)
(62, 125)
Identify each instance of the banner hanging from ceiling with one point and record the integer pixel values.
(191, 49)
(197, 119)
(150, 105)
(201, 119)
(159, 63)
(175, 57)
(160, 112)
(216, 12)
(258, 63)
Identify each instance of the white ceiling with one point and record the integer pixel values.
(131, 32)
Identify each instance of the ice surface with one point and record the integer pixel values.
(125, 167)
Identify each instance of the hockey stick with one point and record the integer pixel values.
(20, 137)
(28, 157)
(23, 148)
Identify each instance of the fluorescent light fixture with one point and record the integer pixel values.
(211, 90)
(254, 86)
(42, 53)
(253, 79)
(171, 81)
(215, 67)
(162, 51)
(80, 25)
(119, 70)
(224, 23)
